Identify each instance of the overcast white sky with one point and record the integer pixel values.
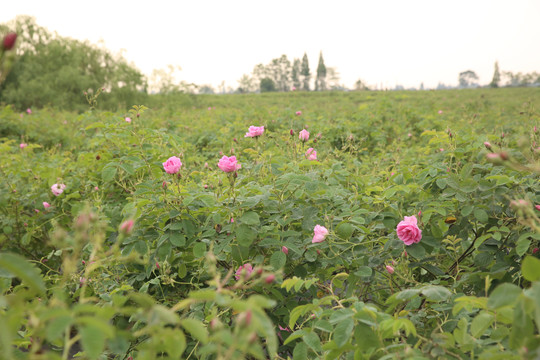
(384, 42)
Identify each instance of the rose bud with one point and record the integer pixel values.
(9, 41)
(285, 250)
(270, 279)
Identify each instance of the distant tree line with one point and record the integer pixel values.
(283, 75)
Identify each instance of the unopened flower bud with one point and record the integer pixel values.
(9, 41)
(535, 250)
(270, 279)
(291, 132)
(285, 250)
(389, 269)
(127, 226)
(487, 145)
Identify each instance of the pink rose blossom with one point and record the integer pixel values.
(298, 113)
(96, 188)
(255, 131)
(28, 111)
(319, 235)
(232, 220)
(389, 269)
(293, 88)
(128, 119)
(537, 207)
(440, 111)
(535, 250)
(46, 205)
(172, 165)
(303, 135)
(285, 250)
(23, 145)
(244, 270)
(229, 164)
(37, 211)
(311, 154)
(408, 231)
(58, 189)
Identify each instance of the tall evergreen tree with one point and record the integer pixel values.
(320, 83)
(496, 76)
(296, 74)
(306, 76)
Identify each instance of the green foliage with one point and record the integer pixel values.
(55, 71)
(267, 85)
(71, 281)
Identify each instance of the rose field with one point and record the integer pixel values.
(334, 225)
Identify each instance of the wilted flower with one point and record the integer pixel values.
(58, 189)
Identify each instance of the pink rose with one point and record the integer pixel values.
(244, 270)
(28, 111)
(389, 269)
(320, 233)
(440, 111)
(311, 154)
(46, 205)
(23, 145)
(57, 189)
(285, 250)
(487, 145)
(255, 131)
(229, 164)
(172, 165)
(408, 231)
(537, 207)
(303, 135)
(298, 113)
(128, 119)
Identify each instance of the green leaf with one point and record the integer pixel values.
(531, 268)
(245, 235)
(441, 183)
(278, 260)
(108, 173)
(250, 218)
(313, 341)
(343, 332)
(416, 250)
(196, 329)
(93, 340)
(199, 249)
(29, 274)
(481, 215)
(300, 351)
(522, 245)
(177, 239)
(436, 293)
(55, 328)
(174, 342)
(363, 271)
(504, 295)
(481, 323)
(345, 230)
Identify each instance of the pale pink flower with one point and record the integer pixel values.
(298, 113)
(128, 119)
(96, 188)
(229, 164)
(389, 269)
(127, 226)
(487, 145)
(319, 234)
(303, 135)
(293, 88)
(311, 154)
(23, 145)
(408, 231)
(37, 211)
(440, 111)
(244, 270)
(46, 205)
(172, 165)
(441, 149)
(255, 131)
(58, 189)
(232, 220)
(409, 135)
(285, 250)
(537, 207)
(28, 111)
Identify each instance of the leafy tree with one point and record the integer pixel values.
(51, 70)
(468, 79)
(267, 85)
(306, 76)
(296, 74)
(320, 82)
(496, 76)
(360, 85)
